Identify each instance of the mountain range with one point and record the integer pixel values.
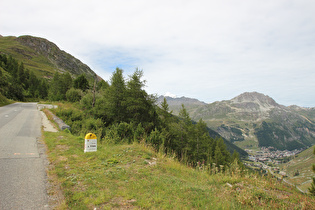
(253, 120)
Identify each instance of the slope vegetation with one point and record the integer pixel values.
(42, 56)
(299, 170)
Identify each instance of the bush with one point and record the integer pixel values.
(92, 125)
(155, 138)
(74, 95)
(119, 132)
(86, 101)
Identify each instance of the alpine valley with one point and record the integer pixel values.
(249, 120)
(253, 120)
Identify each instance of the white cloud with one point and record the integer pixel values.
(210, 50)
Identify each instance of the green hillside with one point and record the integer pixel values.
(42, 57)
(126, 176)
(299, 170)
(32, 60)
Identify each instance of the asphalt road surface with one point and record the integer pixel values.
(22, 170)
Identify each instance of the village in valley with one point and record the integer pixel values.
(268, 159)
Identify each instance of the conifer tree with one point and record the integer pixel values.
(66, 82)
(102, 85)
(138, 105)
(56, 87)
(221, 155)
(21, 75)
(115, 97)
(165, 113)
(203, 141)
(218, 156)
(187, 140)
(43, 89)
(34, 85)
(81, 83)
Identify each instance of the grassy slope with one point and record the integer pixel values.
(40, 65)
(4, 101)
(134, 176)
(303, 163)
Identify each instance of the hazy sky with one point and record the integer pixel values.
(205, 49)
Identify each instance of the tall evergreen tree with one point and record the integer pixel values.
(165, 113)
(223, 157)
(102, 85)
(34, 85)
(43, 90)
(140, 107)
(81, 83)
(56, 87)
(116, 95)
(66, 82)
(21, 74)
(187, 132)
(218, 156)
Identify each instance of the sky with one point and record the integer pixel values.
(205, 49)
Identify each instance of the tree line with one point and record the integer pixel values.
(18, 83)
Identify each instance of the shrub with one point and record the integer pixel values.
(74, 95)
(86, 101)
(92, 125)
(119, 132)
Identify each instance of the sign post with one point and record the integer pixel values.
(90, 143)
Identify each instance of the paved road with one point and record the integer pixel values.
(22, 170)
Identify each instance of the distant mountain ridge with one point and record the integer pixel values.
(253, 120)
(191, 104)
(43, 56)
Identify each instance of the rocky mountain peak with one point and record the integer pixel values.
(255, 97)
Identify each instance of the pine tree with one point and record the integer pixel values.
(115, 97)
(81, 83)
(21, 75)
(66, 82)
(43, 89)
(55, 88)
(187, 140)
(102, 85)
(34, 85)
(221, 154)
(137, 100)
(218, 156)
(202, 141)
(165, 113)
